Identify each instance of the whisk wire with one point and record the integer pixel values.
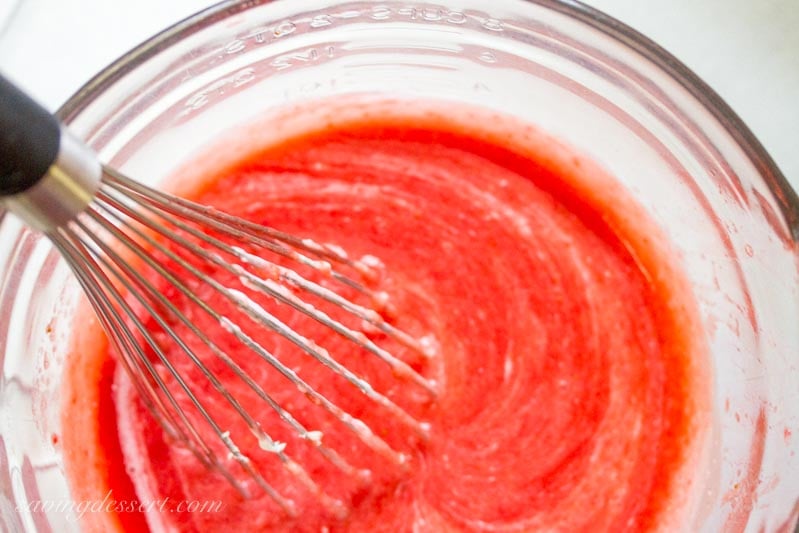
(103, 293)
(280, 293)
(267, 442)
(262, 317)
(99, 301)
(237, 370)
(283, 295)
(107, 226)
(128, 220)
(277, 291)
(265, 236)
(123, 273)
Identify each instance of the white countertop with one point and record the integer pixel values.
(748, 50)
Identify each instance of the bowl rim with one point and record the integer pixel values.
(780, 187)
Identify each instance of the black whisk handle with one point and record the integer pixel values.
(29, 140)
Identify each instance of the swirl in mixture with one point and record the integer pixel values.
(565, 348)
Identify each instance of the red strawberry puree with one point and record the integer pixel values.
(571, 377)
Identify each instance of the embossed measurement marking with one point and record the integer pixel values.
(262, 35)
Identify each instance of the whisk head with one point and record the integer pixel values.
(137, 252)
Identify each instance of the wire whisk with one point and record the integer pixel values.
(118, 235)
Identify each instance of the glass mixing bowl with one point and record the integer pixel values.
(576, 73)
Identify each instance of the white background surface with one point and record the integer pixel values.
(748, 50)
